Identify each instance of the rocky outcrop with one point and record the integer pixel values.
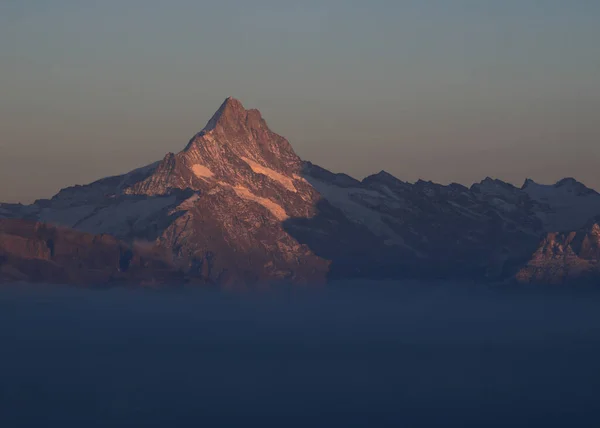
(38, 252)
(564, 258)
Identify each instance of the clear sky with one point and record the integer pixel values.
(445, 90)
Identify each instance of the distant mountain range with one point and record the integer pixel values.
(237, 205)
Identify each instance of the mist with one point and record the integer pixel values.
(351, 354)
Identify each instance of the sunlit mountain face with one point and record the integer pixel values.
(238, 206)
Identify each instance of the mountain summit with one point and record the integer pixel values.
(235, 148)
(232, 115)
(237, 205)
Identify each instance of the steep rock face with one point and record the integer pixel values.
(566, 257)
(247, 182)
(218, 206)
(38, 252)
(236, 150)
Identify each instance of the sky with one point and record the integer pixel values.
(448, 91)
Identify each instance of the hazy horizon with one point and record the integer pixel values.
(438, 91)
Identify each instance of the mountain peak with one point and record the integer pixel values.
(568, 184)
(246, 133)
(383, 177)
(567, 181)
(528, 182)
(576, 186)
(489, 182)
(232, 115)
(230, 109)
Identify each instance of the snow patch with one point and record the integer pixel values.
(569, 211)
(145, 170)
(69, 216)
(389, 192)
(285, 181)
(201, 171)
(119, 219)
(503, 206)
(186, 205)
(344, 198)
(275, 209)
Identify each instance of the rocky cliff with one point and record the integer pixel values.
(564, 258)
(37, 252)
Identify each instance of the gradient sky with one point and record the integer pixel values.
(444, 90)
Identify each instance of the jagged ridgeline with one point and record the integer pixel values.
(237, 205)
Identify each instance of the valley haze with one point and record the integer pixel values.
(354, 354)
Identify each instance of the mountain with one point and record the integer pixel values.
(218, 205)
(569, 203)
(237, 205)
(566, 257)
(430, 230)
(31, 251)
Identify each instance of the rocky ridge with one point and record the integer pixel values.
(38, 252)
(566, 258)
(238, 205)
